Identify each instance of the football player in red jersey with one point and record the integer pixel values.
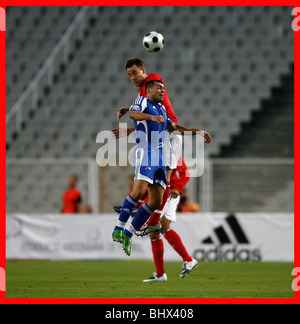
(72, 198)
(179, 178)
(136, 72)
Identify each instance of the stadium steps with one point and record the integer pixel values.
(269, 134)
(282, 200)
(32, 33)
(34, 117)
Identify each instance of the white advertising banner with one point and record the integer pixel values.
(206, 236)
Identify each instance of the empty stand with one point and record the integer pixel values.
(218, 64)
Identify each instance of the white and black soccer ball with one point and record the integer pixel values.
(153, 42)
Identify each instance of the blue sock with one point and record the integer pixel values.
(127, 209)
(140, 218)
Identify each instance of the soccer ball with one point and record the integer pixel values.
(153, 42)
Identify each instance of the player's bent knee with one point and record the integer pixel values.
(157, 204)
(139, 189)
(154, 203)
(137, 194)
(165, 223)
(154, 235)
(164, 229)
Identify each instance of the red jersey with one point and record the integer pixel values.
(166, 102)
(180, 176)
(71, 198)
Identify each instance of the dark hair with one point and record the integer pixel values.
(151, 83)
(134, 61)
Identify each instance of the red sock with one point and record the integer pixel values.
(158, 255)
(175, 241)
(155, 217)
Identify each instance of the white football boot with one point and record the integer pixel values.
(146, 230)
(188, 267)
(156, 278)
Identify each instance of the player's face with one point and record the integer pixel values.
(136, 75)
(157, 92)
(72, 181)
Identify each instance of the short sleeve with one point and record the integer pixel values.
(138, 105)
(135, 107)
(169, 121)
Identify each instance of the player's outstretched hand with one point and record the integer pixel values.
(207, 137)
(119, 132)
(159, 119)
(174, 193)
(122, 131)
(122, 111)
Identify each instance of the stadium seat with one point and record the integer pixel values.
(217, 89)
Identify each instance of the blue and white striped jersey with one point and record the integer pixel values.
(150, 134)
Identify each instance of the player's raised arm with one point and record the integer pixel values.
(171, 127)
(122, 111)
(139, 116)
(194, 131)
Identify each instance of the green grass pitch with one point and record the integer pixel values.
(123, 279)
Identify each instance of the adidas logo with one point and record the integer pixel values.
(221, 237)
(228, 242)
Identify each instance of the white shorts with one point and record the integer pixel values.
(172, 149)
(170, 209)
